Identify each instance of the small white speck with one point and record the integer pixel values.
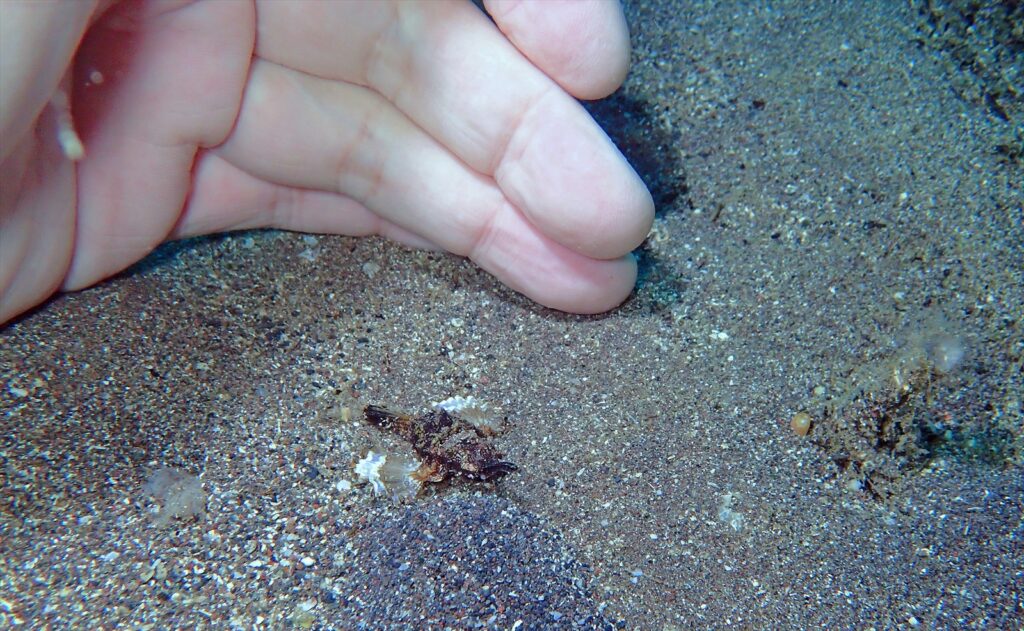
(370, 269)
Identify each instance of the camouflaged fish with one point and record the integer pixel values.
(448, 444)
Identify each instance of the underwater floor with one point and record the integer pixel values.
(809, 413)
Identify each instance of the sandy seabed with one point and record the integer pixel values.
(839, 233)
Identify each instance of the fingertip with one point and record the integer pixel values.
(607, 286)
(574, 185)
(548, 272)
(615, 223)
(597, 287)
(621, 274)
(582, 45)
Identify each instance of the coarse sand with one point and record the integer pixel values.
(839, 234)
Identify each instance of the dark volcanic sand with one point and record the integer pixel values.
(839, 194)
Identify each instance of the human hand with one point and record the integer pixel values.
(418, 121)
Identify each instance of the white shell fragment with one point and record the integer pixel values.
(389, 474)
(472, 410)
(368, 470)
(456, 405)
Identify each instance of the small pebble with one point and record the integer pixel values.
(801, 423)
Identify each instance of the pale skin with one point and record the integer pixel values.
(419, 121)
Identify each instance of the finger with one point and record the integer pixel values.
(37, 202)
(581, 44)
(450, 71)
(301, 131)
(226, 198)
(547, 272)
(169, 85)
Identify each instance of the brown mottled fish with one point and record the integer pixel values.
(447, 444)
